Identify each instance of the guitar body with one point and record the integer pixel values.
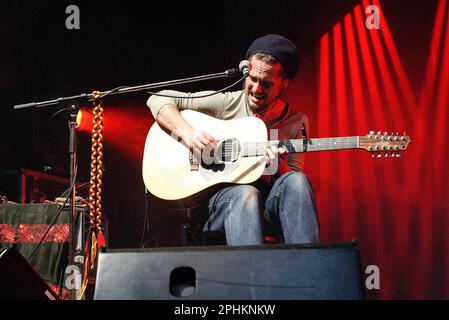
(169, 174)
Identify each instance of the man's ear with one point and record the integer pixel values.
(285, 83)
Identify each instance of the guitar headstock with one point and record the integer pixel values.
(388, 144)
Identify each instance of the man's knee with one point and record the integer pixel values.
(245, 209)
(296, 181)
(248, 194)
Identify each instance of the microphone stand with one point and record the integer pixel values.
(89, 97)
(76, 256)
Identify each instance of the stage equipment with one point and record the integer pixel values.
(40, 232)
(19, 281)
(265, 272)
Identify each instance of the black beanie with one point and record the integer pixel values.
(279, 47)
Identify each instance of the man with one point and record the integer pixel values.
(285, 197)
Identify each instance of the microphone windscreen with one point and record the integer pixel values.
(244, 67)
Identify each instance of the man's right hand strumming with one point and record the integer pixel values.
(199, 140)
(170, 118)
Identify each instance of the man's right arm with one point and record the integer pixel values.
(166, 111)
(170, 118)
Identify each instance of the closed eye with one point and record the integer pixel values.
(265, 84)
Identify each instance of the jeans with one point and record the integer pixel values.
(238, 211)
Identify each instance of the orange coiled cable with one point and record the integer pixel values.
(95, 238)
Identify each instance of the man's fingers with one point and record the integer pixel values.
(271, 154)
(209, 138)
(268, 161)
(282, 150)
(204, 141)
(199, 146)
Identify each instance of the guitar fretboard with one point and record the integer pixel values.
(252, 149)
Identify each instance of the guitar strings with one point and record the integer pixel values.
(256, 148)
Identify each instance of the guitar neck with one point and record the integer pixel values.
(251, 149)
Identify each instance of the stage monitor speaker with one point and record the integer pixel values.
(18, 279)
(266, 272)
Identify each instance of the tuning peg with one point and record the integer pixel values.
(378, 133)
(392, 155)
(379, 155)
(371, 132)
(385, 154)
(372, 154)
(398, 155)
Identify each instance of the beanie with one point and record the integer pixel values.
(279, 47)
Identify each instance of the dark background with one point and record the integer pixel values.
(139, 42)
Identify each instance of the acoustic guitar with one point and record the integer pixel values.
(172, 171)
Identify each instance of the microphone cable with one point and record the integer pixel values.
(55, 219)
(197, 97)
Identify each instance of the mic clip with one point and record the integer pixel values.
(233, 72)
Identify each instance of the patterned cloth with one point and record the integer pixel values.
(22, 227)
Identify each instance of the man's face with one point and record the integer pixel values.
(264, 84)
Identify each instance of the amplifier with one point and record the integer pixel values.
(19, 280)
(265, 272)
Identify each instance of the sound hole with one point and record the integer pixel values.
(228, 150)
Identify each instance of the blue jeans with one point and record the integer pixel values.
(238, 211)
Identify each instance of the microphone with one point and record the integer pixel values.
(245, 67)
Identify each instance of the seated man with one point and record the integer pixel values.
(285, 197)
